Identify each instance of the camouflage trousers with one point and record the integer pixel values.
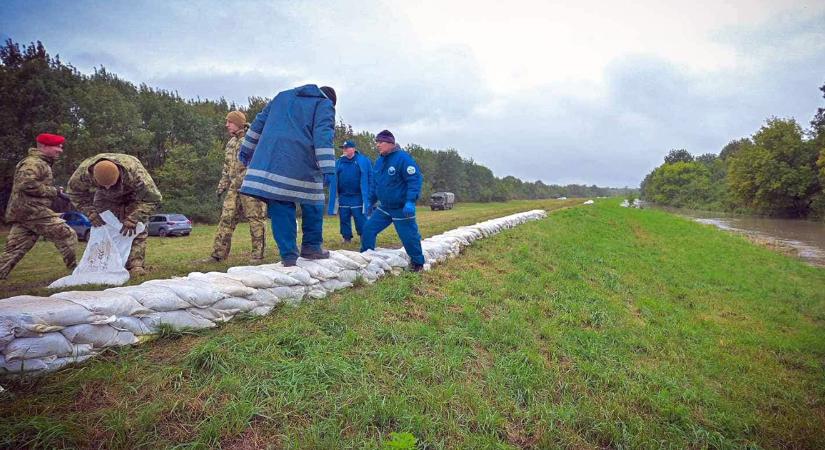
(235, 205)
(137, 256)
(22, 238)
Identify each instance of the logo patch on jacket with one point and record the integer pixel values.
(391, 170)
(410, 170)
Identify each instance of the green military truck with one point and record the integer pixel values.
(442, 200)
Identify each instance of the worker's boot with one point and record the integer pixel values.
(314, 253)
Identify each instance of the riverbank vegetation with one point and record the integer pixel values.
(779, 171)
(598, 327)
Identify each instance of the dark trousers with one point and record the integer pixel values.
(348, 214)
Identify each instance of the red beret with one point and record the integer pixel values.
(50, 139)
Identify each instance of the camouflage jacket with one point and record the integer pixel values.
(233, 170)
(135, 191)
(33, 189)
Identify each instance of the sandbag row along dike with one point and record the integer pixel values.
(43, 334)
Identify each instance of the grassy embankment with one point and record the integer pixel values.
(175, 256)
(598, 327)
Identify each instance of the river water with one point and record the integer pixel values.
(806, 238)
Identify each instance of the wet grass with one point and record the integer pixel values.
(600, 327)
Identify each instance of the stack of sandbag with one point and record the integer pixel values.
(42, 334)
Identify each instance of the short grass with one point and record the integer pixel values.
(175, 256)
(599, 327)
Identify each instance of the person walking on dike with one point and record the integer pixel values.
(349, 195)
(29, 208)
(396, 184)
(234, 204)
(290, 157)
(118, 183)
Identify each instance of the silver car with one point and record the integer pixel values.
(169, 225)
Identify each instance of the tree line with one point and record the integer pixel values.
(180, 141)
(778, 171)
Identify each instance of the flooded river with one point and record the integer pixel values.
(805, 238)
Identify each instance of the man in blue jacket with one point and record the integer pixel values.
(349, 196)
(290, 157)
(396, 184)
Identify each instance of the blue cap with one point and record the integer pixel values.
(347, 144)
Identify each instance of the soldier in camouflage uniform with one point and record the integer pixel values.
(29, 208)
(118, 183)
(235, 204)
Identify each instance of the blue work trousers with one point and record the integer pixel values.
(406, 227)
(284, 227)
(348, 214)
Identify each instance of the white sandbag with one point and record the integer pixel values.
(176, 319)
(297, 273)
(98, 335)
(106, 303)
(279, 278)
(23, 365)
(589, 202)
(44, 314)
(289, 294)
(104, 260)
(317, 292)
(265, 297)
(394, 258)
(330, 264)
(346, 262)
(250, 278)
(377, 261)
(335, 285)
(278, 275)
(154, 297)
(223, 284)
(236, 304)
(59, 363)
(50, 344)
(316, 270)
(6, 332)
(213, 314)
(192, 292)
(261, 310)
(131, 324)
(348, 276)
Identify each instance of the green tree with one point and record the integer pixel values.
(776, 173)
(678, 155)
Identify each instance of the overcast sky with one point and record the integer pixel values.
(566, 92)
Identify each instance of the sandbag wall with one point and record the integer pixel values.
(43, 334)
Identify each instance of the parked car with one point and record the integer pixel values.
(78, 222)
(169, 225)
(442, 200)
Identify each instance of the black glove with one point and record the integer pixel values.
(129, 228)
(96, 220)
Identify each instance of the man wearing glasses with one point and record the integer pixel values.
(396, 184)
(29, 208)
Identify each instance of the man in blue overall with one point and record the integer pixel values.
(349, 197)
(396, 184)
(290, 157)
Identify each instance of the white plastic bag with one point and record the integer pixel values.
(104, 261)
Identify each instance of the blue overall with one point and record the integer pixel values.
(349, 196)
(396, 180)
(288, 149)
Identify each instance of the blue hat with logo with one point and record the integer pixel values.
(347, 144)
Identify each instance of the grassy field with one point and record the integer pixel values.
(599, 327)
